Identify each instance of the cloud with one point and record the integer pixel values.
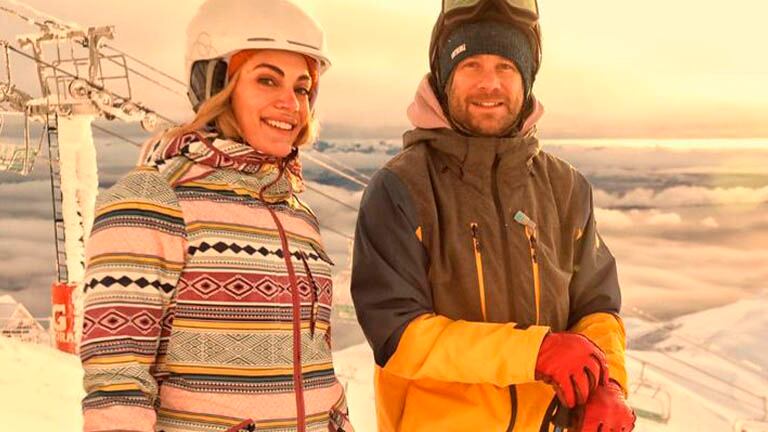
(335, 217)
(20, 258)
(649, 158)
(27, 262)
(682, 196)
(662, 219)
(710, 222)
(610, 219)
(686, 278)
(36, 294)
(613, 219)
(27, 229)
(682, 246)
(24, 190)
(31, 199)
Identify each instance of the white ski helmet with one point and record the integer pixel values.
(223, 27)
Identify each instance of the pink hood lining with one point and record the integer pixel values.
(425, 112)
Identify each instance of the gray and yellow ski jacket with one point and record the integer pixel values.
(467, 252)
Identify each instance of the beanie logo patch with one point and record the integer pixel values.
(460, 49)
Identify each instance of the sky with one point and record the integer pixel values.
(611, 69)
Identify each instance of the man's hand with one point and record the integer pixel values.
(607, 411)
(573, 365)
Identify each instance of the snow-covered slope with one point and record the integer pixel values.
(715, 359)
(737, 330)
(705, 372)
(40, 388)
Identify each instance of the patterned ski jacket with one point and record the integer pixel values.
(208, 298)
(468, 251)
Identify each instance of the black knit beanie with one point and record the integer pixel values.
(486, 37)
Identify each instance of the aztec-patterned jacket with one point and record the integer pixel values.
(195, 317)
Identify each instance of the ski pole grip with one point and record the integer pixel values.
(563, 417)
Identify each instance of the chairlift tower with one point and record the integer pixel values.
(78, 83)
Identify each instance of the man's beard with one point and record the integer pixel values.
(487, 125)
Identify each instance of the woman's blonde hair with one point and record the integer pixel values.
(218, 109)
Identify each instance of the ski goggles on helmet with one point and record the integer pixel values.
(523, 13)
(526, 11)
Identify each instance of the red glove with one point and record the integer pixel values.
(573, 365)
(607, 411)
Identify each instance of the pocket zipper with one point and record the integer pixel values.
(315, 295)
(479, 266)
(532, 234)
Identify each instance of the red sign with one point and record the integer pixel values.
(63, 316)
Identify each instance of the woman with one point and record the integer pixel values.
(208, 292)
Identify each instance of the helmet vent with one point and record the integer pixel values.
(303, 44)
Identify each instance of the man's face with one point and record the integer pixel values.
(485, 95)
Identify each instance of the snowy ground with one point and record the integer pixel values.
(713, 364)
(40, 388)
(705, 372)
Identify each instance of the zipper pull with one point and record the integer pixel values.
(315, 308)
(315, 295)
(530, 230)
(475, 234)
(525, 221)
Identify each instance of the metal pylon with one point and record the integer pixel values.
(58, 216)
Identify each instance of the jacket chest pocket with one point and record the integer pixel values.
(459, 277)
(554, 281)
(550, 252)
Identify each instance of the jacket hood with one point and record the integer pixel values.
(425, 112)
(473, 153)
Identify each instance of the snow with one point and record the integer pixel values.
(41, 388)
(705, 364)
(746, 321)
(712, 363)
(79, 188)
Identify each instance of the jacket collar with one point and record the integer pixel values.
(477, 155)
(472, 157)
(199, 155)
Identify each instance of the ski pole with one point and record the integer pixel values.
(563, 418)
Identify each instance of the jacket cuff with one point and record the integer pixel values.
(531, 340)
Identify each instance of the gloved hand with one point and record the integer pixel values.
(607, 411)
(573, 365)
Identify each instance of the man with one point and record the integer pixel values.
(479, 278)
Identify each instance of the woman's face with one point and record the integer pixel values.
(271, 100)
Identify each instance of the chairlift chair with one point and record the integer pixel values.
(649, 400)
(18, 158)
